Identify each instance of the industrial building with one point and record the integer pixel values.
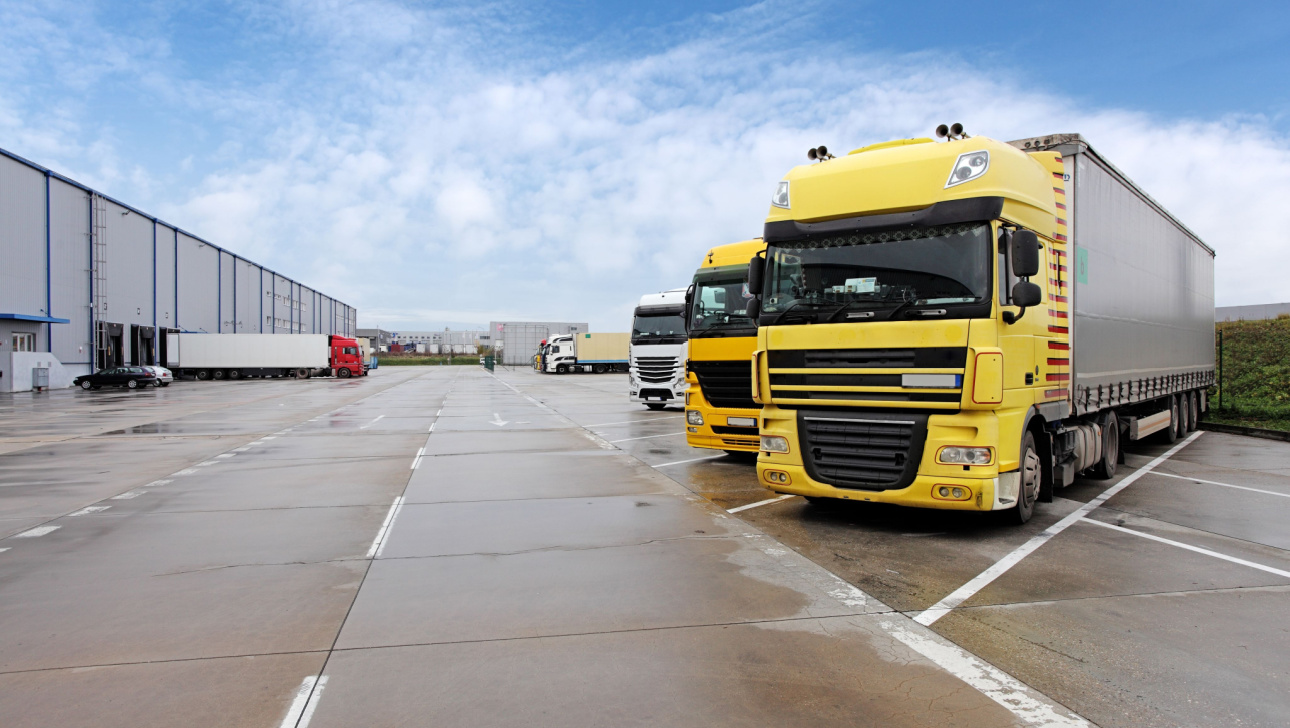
(92, 282)
(517, 341)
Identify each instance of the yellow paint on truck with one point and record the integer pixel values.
(720, 413)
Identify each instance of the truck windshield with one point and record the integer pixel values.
(883, 273)
(659, 328)
(720, 305)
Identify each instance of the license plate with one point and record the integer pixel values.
(741, 421)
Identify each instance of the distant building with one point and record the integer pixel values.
(380, 338)
(519, 340)
(1251, 313)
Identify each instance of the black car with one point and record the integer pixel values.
(130, 377)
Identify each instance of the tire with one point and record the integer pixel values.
(599, 368)
(157, 385)
(1184, 415)
(1031, 479)
(132, 384)
(302, 374)
(344, 373)
(561, 369)
(86, 385)
(1194, 421)
(235, 374)
(218, 374)
(656, 406)
(1104, 469)
(1171, 432)
(203, 375)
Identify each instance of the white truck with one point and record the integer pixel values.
(656, 376)
(234, 356)
(597, 353)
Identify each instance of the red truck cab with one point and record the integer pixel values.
(346, 358)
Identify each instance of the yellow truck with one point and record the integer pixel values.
(719, 411)
(969, 324)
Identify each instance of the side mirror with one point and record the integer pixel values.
(1026, 294)
(754, 309)
(689, 301)
(755, 268)
(1025, 254)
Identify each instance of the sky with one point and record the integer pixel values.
(448, 164)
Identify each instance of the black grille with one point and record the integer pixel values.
(878, 451)
(656, 369)
(726, 430)
(952, 357)
(726, 383)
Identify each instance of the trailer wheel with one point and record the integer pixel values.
(1031, 478)
(344, 373)
(235, 374)
(1171, 432)
(1104, 469)
(1184, 415)
(1194, 402)
(203, 375)
(599, 368)
(218, 374)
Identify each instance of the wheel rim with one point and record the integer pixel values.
(86, 385)
(1030, 477)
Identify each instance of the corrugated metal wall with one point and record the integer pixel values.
(227, 293)
(129, 270)
(198, 286)
(22, 240)
(69, 243)
(248, 297)
(166, 245)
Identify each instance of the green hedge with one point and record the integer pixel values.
(1255, 374)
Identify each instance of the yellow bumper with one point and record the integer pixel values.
(703, 436)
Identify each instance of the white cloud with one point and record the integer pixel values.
(416, 169)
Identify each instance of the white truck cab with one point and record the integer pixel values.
(560, 355)
(656, 377)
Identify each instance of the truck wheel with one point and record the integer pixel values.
(600, 368)
(655, 406)
(203, 375)
(218, 374)
(344, 373)
(1193, 399)
(1104, 469)
(1171, 432)
(561, 369)
(235, 374)
(1031, 478)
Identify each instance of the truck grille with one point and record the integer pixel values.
(811, 377)
(655, 369)
(948, 357)
(878, 451)
(725, 383)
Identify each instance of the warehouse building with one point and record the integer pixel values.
(92, 282)
(516, 342)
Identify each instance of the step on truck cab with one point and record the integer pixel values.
(656, 375)
(969, 324)
(719, 410)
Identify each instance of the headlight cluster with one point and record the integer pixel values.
(694, 417)
(965, 456)
(968, 167)
(774, 443)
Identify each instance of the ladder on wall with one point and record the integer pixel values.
(98, 278)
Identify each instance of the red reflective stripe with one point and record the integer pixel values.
(1059, 362)
(1048, 393)
(1059, 345)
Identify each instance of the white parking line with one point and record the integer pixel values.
(6, 548)
(417, 460)
(1189, 547)
(394, 517)
(980, 581)
(385, 526)
(88, 510)
(760, 503)
(185, 471)
(303, 694)
(1225, 485)
(373, 422)
(158, 483)
(36, 532)
(691, 460)
(313, 703)
(629, 439)
(225, 455)
(129, 494)
(633, 422)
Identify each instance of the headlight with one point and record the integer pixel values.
(968, 167)
(773, 443)
(693, 417)
(780, 198)
(965, 455)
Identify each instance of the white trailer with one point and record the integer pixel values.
(233, 356)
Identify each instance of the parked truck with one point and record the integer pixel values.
(597, 353)
(719, 410)
(971, 324)
(656, 375)
(234, 356)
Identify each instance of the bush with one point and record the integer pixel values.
(1255, 381)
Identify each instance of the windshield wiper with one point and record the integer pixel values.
(791, 306)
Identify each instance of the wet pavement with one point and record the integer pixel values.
(441, 546)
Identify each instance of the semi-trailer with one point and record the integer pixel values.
(234, 356)
(971, 324)
(656, 375)
(720, 413)
(597, 353)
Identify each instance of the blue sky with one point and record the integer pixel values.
(435, 163)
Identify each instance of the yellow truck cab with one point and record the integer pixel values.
(918, 341)
(719, 411)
